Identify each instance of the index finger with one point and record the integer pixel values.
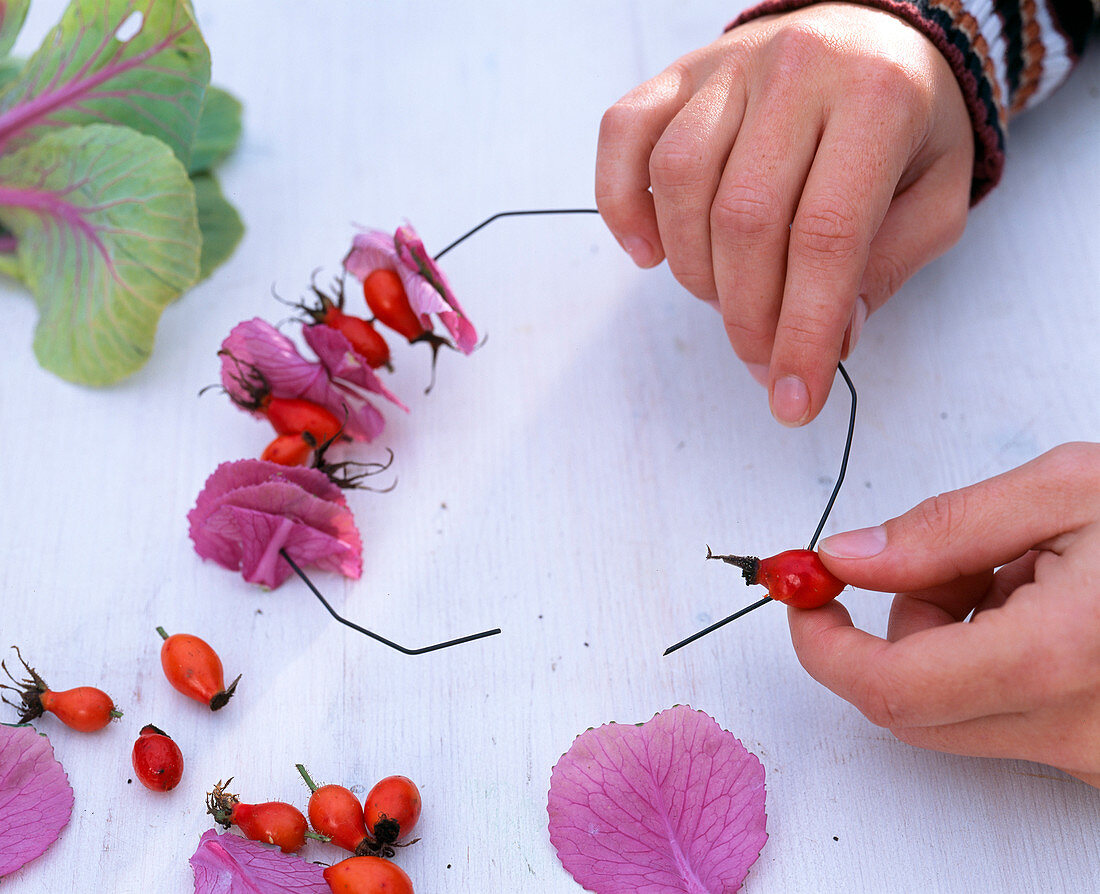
(628, 132)
(933, 677)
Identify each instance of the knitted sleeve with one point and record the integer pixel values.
(1007, 55)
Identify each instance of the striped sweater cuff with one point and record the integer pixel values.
(1006, 54)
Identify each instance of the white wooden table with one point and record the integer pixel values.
(561, 483)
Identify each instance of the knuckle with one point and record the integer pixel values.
(620, 121)
(678, 160)
(698, 280)
(750, 340)
(891, 272)
(826, 232)
(889, 83)
(1073, 460)
(880, 701)
(799, 44)
(935, 520)
(810, 331)
(747, 209)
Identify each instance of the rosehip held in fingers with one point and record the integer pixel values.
(85, 708)
(367, 875)
(273, 822)
(795, 577)
(194, 668)
(157, 760)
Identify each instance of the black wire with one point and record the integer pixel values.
(371, 634)
(717, 624)
(501, 214)
(843, 458)
(817, 532)
(302, 574)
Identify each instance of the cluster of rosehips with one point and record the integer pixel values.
(304, 429)
(369, 831)
(190, 665)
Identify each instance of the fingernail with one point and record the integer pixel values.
(640, 251)
(860, 544)
(859, 317)
(790, 400)
(758, 371)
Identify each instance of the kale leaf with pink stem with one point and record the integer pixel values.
(108, 208)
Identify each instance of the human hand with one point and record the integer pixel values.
(795, 173)
(1021, 679)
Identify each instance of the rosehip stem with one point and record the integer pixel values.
(749, 564)
(301, 769)
(373, 635)
(501, 214)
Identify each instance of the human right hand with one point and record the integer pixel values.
(1021, 679)
(795, 173)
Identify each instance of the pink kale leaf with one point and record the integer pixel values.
(426, 287)
(36, 799)
(675, 804)
(230, 864)
(250, 509)
(257, 358)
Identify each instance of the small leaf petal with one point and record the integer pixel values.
(257, 344)
(343, 362)
(675, 804)
(230, 864)
(428, 289)
(370, 250)
(219, 222)
(36, 799)
(219, 130)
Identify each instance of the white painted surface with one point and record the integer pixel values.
(561, 483)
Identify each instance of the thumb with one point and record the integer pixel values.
(975, 529)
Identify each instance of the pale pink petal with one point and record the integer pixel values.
(241, 520)
(230, 864)
(362, 420)
(673, 806)
(36, 799)
(437, 297)
(343, 362)
(427, 288)
(370, 250)
(256, 347)
(256, 344)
